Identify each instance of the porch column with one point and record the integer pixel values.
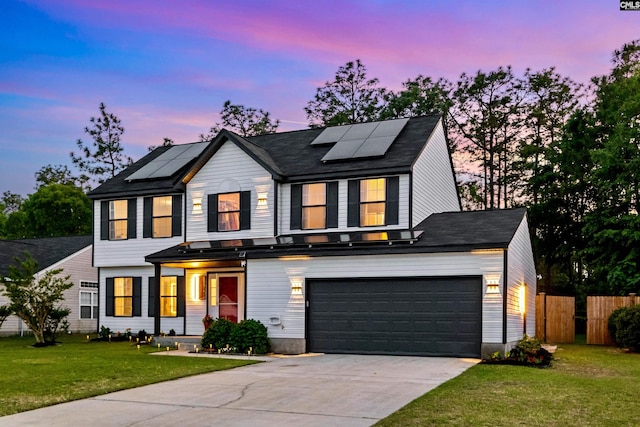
(156, 299)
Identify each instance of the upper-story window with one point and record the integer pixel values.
(314, 206)
(118, 219)
(162, 216)
(373, 198)
(373, 202)
(229, 211)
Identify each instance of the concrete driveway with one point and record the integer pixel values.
(323, 390)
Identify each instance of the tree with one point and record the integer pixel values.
(105, 157)
(36, 300)
(486, 119)
(550, 100)
(58, 174)
(57, 210)
(420, 96)
(15, 226)
(245, 121)
(11, 202)
(5, 312)
(565, 197)
(612, 228)
(350, 98)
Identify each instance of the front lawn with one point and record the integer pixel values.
(586, 385)
(76, 369)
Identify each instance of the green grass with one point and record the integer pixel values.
(75, 369)
(585, 386)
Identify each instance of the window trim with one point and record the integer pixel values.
(136, 300)
(181, 297)
(176, 216)
(105, 219)
(305, 208)
(392, 201)
(213, 214)
(331, 205)
(93, 306)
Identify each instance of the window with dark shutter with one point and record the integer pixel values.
(229, 211)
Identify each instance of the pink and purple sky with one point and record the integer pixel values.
(165, 67)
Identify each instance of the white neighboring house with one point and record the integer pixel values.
(346, 239)
(73, 254)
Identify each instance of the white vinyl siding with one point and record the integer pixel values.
(521, 271)
(434, 187)
(130, 252)
(269, 283)
(343, 200)
(230, 170)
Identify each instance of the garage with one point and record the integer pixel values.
(399, 316)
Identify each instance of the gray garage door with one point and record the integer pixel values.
(403, 316)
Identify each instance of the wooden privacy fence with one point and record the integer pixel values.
(555, 318)
(598, 311)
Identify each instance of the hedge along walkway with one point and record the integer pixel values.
(76, 369)
(585, 385)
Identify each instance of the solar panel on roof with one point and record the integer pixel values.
(373, 147)
(365, 140)
(168, 162)
(359, 131)
(331, 135)
(343, 150)
(170, 168)
(389, 128)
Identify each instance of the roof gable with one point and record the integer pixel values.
(47, 251)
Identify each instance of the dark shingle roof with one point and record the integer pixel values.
(47, 251)
(442, 232)
(476, 229)
(118, 186)
(289, 156)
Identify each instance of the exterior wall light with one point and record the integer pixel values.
(197, 206)
(493, 285)
(522, 299)
(296, 286)
(262, 200)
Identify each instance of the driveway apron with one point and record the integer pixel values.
(321, 390)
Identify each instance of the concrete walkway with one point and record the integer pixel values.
(322, 390)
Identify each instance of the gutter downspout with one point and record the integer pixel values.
(156, 301)
(505, 285)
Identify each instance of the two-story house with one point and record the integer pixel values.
(346, 239)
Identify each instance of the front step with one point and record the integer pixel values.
(183, 342)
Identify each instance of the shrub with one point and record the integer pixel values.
(611, 322)
(627, 327)
(142, 335)
(217, 335)
(172, 332)
(104, 332)
(528, 351)
(250, 334)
